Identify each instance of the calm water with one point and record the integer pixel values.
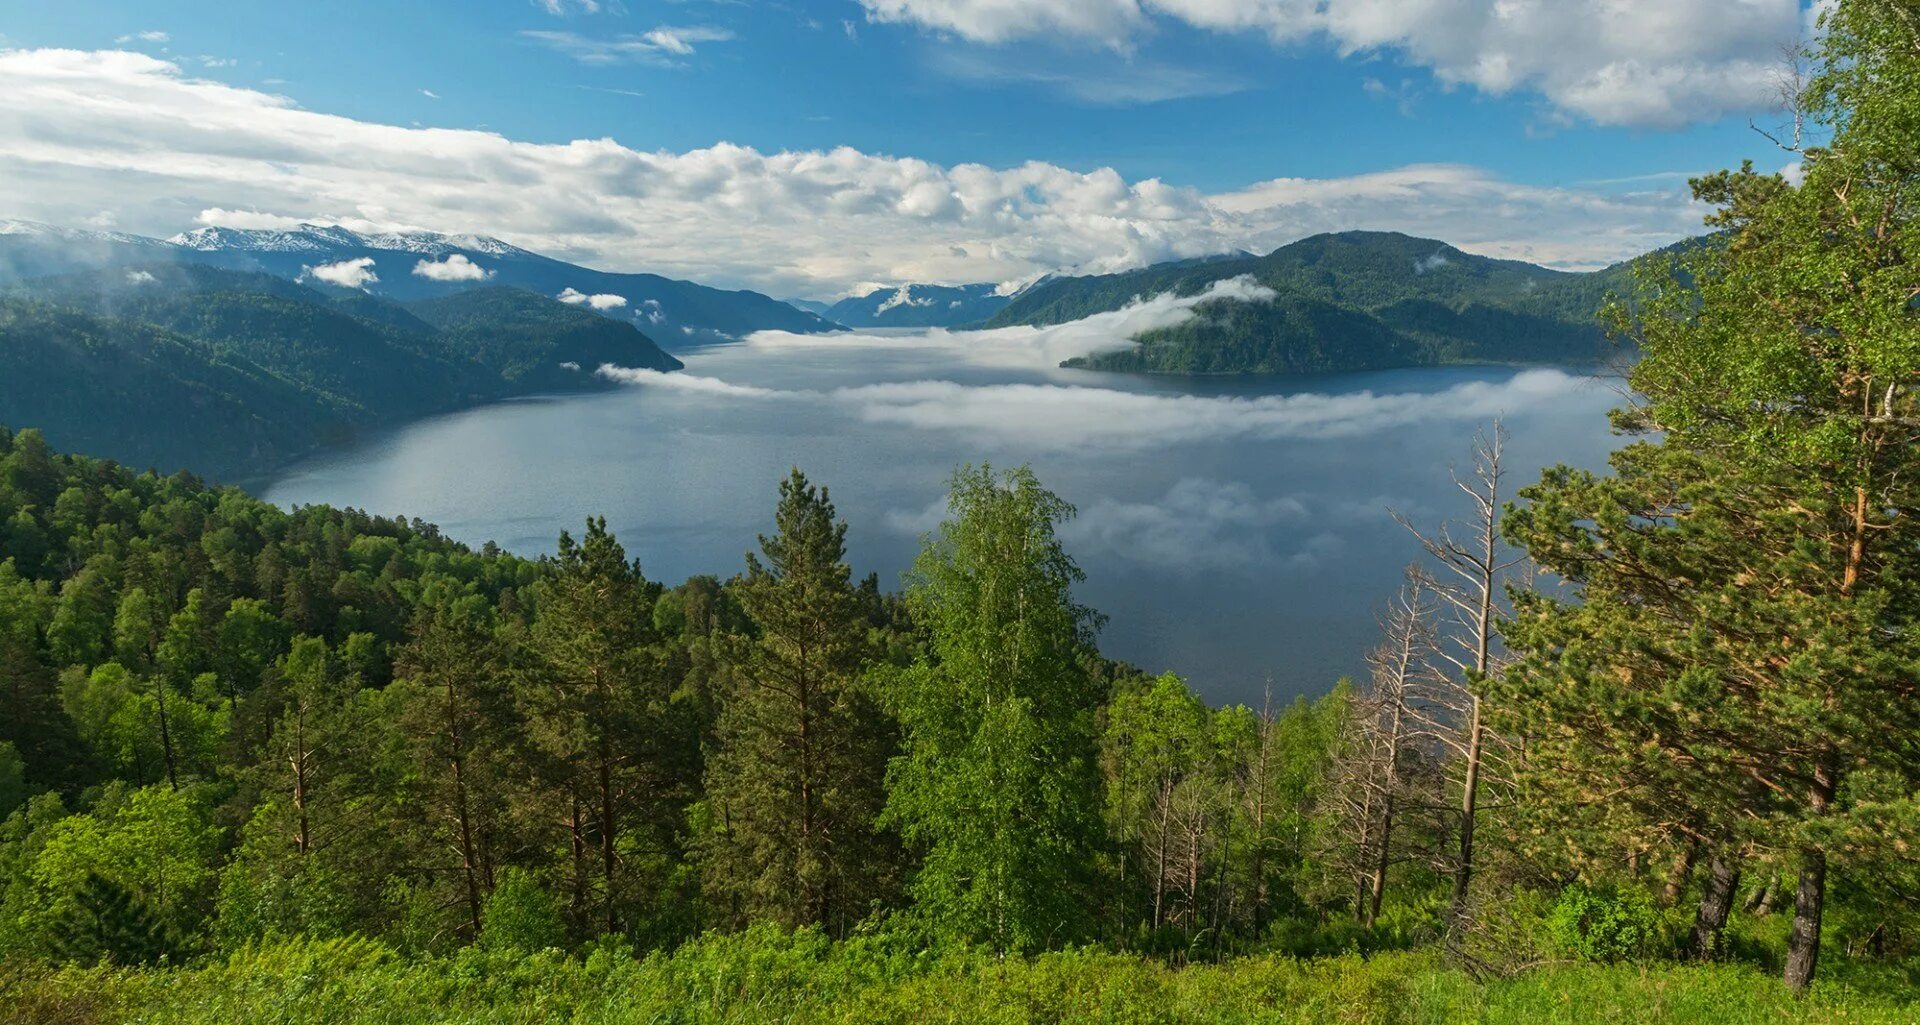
(1235, 531)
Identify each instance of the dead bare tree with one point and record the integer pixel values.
(1371, 785)
(1470, 569)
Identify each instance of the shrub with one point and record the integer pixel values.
(1604, 924)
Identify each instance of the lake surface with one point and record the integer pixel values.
(1234, 530)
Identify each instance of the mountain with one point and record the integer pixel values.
(1347, 301)
(920, 306)
(406, 266)
(533, 341)
(237, 372)
(152, 397)
(813, 306)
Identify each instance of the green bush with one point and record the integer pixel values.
(1604, 924)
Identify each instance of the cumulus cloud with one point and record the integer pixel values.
(140, 277)
(152, 35)
(127, 132)
(356, 273)
(1659, 63)
(456, 267)
(602, 301)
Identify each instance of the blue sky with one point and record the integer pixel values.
(1601, 103)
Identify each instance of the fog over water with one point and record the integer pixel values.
(1235, 530)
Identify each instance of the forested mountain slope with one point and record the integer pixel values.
(234, 372)
(1349, 301)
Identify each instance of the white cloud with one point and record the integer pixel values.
(1061, 418)
(1034, 348)
(903, 297)
(152, 35)
(456, 267)
(430, 94)
(134, 134)
(602, 301)
(661, 46)
(140, 277)
(558, 8)
(1660, 63)
(1198, 525)
(356, 273)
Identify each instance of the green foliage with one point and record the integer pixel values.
(521, 916)
(796, 777)
(1604, 924)
(997, 783)
(768, 975)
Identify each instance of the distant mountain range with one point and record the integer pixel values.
(1348, 301)
(405, 266)
(236, 372)
(920, 306)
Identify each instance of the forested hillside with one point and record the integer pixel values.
(1349, 301)
(269, 370)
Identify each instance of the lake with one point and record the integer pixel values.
(1235, 530)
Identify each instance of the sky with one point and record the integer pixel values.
(819, 148)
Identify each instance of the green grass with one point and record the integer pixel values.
(766, 977)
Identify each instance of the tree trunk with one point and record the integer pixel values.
(1810, 900)
(1809, 904)
(607, 832)
(1469, 798)
(1677, 878)
(303, 841)
(166, 733)
(462, 810)
(1716, 903)
(1377, 891)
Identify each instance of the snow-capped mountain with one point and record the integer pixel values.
(325, 238)
(913, 305)
(411, 265)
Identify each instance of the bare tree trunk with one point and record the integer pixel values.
(1377, 890)
(1810, 899)
(1475, 571)
(303, 840)
(1716, 904)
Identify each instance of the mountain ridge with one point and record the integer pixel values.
(411, 265)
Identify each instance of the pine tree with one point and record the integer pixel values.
(458, 727)
(796, 779)
(596, 706)
(1745, 633)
